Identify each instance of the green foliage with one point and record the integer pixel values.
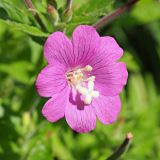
(18, 19)
(13, 12)
(31, 30)
(88, 12)
(21, 68)
(148, 14)
(26, 135)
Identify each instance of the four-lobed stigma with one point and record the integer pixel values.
(84, 85)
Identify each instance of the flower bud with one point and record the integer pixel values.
(67, 15)
(52, 11)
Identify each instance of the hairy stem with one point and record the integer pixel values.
(31, 8)
(106, 19)
(122, 148)
(68, 6)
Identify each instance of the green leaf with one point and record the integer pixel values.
(137, 93)
(17, 70)
(39, 152)
(1, 111)
(89, 12)
(13, 12)
(18, 19)
(150, 11)
(31, 30)
(130, 61)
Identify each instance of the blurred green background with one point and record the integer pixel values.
(25, 134)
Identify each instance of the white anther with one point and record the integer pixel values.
(92, 78)
(78, 80)
(88, 68)
(78, 71)
(77, 75)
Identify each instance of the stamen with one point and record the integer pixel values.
(77, 79)
(88, 68)
(92, 78)
(91, 83)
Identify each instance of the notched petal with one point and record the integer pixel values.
(107, 108)
(54, 108)
(86, 43)
(80, 117)
(59, 48)
(51, 80)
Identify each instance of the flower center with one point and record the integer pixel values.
(83, 83)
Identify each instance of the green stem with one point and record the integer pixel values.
(31, 7)
(68, 6)
(106, 19)
(122, 148)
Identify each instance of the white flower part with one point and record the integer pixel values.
(88, 99)
(95, 94)
(77, 79)
(77, 75)
(88, 68)
(82, 90)
(92, 78)
(90, 86)
(89, 92)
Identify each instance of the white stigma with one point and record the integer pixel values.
(77, 79)
(88, 93)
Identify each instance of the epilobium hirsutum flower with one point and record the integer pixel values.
(83, 78)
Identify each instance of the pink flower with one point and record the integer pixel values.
(83, 78)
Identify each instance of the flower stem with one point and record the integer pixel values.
(122, 148)
(68, 6)
(31, 8)
(106, 19)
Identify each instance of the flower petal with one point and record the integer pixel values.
(54, 108)
(86, 42)
(107, 108)
(80, 117)
(110, 48)
(58, 48)
(109, 52)
(110, 78)
(51, 80)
